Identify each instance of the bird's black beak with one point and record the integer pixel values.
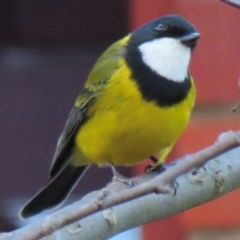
(190, 40)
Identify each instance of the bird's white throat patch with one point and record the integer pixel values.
(167, 57)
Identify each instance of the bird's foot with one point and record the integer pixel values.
(117, 177)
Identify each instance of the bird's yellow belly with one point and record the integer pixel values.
(125, 129)
(127, 133)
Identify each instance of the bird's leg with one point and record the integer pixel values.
(117, 177)
(161, 168)
(154, 159)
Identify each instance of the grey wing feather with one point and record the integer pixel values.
(65, 143)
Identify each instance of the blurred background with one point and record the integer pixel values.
(47, 48)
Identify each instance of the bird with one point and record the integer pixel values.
(135, 103)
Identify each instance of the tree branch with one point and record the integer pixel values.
(216, 178)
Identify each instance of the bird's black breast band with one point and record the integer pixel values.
(153, 86)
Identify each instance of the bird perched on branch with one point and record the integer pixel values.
(135, 103)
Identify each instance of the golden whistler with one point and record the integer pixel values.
(135, 103)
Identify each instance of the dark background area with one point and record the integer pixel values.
(48, 22)
(47, 50)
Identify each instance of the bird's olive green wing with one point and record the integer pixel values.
(97, 81)
(102, 72)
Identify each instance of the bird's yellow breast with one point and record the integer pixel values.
(125, 129)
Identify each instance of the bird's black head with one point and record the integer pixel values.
(164, 45)
(170, 26)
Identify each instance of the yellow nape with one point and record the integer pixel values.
(124, 129)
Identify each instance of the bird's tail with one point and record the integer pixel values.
(56, 191)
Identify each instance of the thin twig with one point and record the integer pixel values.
(235, 107)
(235, 3)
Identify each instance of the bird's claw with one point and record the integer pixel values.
(160, 169)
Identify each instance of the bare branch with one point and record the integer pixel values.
(116, 193)
(218, 177)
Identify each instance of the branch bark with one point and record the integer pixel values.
(216, 178)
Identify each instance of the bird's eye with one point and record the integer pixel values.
(161, 27)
